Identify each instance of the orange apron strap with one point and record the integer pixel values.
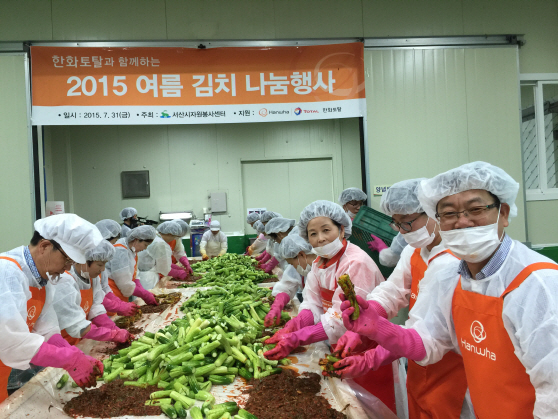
(12, 260)
(447, 251)
(116, 291)
(524, 274)
(120, 245)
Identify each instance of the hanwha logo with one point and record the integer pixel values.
(477, 331)
(263, 112)
(297, 111)
(86, 307)
(31, 312)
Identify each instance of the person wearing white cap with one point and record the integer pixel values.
(178, 252)
(156, 261)
(122, 268)
(292, 249)
(258, 245)
(213, 242)
(78, 300)
(351, 199)
(110, 230)
(496, 307)
(28, 324)
(276, 229)
(257, 249)
(269, 261)
(442, 394)
(326, 226)
(129, 217)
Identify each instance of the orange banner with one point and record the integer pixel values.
(169, 80)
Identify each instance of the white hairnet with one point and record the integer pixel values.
(128, 212)
(158, 254)
(352, 194)
(324, 209)
(476, 175)
(292, 245)
(170, 227)
(401, 198)
(252, 217)
(279, 225)
(102, 253)
(215, 225)
(108, 228)
(183, 225)
(74, 234)
(142, 233)
(268, 215)
(260, 228)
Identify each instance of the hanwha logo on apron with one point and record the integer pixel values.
(477, 331)
(86, 307)
(31, 312)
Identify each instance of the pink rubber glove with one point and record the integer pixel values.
(178, 273)
(145, 295)
(352, 343)
(186, 263)
(305, 318)
(104, 334)
(377, 245)
(371, 304)
(265, 259)
(401, 342)
(290, 341)
(103, 320)
(281, 301)
(82, 368)
(270, 266)
(113, 304)
(261, 256)
(358, 365)
(58, 341)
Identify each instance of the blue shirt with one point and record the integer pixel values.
(493, 264)
(34, 271)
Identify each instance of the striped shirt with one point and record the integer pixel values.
(493, 264)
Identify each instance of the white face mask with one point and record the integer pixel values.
(84, 275)
(329, 250)
(133, 249)
(303, 271)
(473, 244)
(420, 238)
(351, 214)
(54, 278)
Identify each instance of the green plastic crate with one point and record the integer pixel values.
(369, 221)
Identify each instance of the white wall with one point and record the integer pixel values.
(16, 194)
(186, 162)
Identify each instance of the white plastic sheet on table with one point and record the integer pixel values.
(40, 398)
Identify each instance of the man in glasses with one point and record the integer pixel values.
(498, 309)
(438, 390)
(28, 323)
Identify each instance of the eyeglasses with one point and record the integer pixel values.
(355, 203)
(68, 260)
(405, 226)
(473, 214)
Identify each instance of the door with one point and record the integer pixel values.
(286, 186)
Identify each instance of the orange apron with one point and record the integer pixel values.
(436, 391)
(488, 353)
(379, 383)
(116, 291)
(34, 308)
(172, 245)
(86, 304)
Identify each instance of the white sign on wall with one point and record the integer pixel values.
(380, 190)
(54, 207)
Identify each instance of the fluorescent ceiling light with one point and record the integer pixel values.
(165, 216)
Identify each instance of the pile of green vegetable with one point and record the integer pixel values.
(227, 268)
(219, 337)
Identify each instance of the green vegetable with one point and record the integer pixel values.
(168, 410)
(196, 413)
(113, 375)
(160, 394)
(62, 382)
(205, 396)
(185, 401)
(220, 379)
(246, 415)
(180, 411)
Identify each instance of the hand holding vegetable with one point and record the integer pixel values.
(304, 318)
(290, 341)
(366, 324)
(352, 343)
(205, 257)
(145, 295)
(102, 320)
(274, 315)
(349, 293)
(186, 263)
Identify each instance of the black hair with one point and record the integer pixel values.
(496, 199)
(36, 239)
(338, 225)
(112, 238)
